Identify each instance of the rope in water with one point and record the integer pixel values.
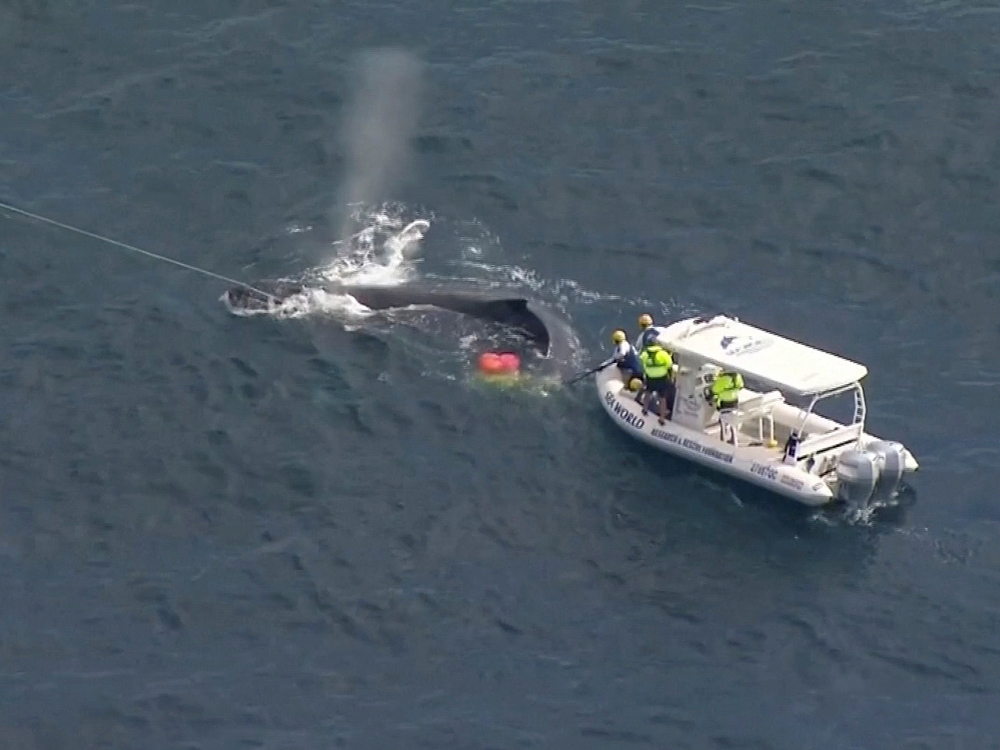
(133, 248)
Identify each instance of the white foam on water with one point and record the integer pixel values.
(567, 290)
(319, 302)
(383, 252)
(482, 253)
(311, 301)
(466, 343)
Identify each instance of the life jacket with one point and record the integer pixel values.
(656, 362)
(726, 388)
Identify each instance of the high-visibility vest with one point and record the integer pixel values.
(656, 362)
(726, 388)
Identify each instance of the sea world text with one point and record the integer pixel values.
(624, 414)
(694, 445)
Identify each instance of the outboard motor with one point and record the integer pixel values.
(872, 473)
(893, 463)
(857, 475)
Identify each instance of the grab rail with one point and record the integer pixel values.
(827, 440)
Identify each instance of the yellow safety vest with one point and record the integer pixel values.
(726, 387)
(656, 362)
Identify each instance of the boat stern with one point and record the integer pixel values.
(873, 471)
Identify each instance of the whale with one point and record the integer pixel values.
(545, 328)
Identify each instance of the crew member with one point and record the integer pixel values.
(626, 357)
(648, 333)
(725, 394)
(726, 390)
(658, 367)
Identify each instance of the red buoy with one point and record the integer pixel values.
(495, 363)
(510, 362)
(490, 363)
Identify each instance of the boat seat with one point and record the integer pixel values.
(757, 406)
(754, 403)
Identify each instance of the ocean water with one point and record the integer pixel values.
(313, 529)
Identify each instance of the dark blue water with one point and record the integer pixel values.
(222, 532)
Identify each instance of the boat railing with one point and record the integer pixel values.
(859, 406)
(832, 439)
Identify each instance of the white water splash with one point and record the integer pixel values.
(311, 301)
(385, 252)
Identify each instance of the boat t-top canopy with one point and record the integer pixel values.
(763, 356)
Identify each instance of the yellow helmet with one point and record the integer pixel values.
(645, 320)
(618, 336)
(634, 385)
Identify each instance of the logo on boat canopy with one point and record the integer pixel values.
(735, 346)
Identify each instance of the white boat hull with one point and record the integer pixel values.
(755, 464)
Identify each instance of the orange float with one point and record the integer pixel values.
(496, 363)
(510, 362)
(490, 363)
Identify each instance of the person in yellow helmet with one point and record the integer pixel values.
(648, 333)
(658, 367)
(625, 356)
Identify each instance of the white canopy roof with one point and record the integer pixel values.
(782, 363)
